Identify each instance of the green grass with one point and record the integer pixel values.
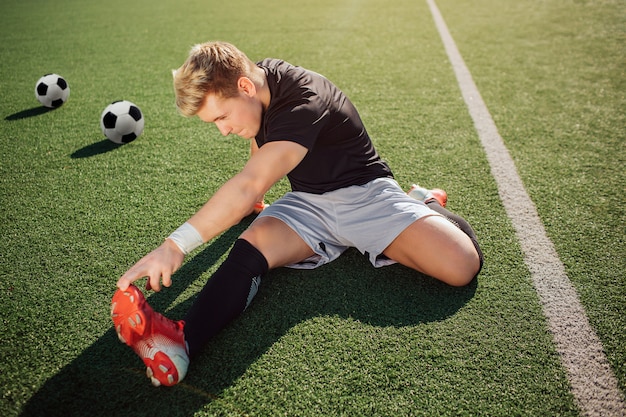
(76, 212)
(553, 76)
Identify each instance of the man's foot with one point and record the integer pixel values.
(158, 341)
(422, 194)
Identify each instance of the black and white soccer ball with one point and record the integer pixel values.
(52, 90)
(122, 122)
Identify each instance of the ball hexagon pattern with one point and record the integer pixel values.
(52, 90)
(122, 122)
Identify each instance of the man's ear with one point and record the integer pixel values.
(246, 85)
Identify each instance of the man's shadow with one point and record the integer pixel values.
(108, 379)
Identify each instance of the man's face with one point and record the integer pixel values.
(240, 115)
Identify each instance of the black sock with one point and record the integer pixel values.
(459, 222)
(225, 295)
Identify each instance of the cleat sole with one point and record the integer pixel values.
(158, 341)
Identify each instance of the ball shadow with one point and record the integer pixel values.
(24, 114)
(97, 148)
(107, 379)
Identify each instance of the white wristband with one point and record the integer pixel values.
(186, 237)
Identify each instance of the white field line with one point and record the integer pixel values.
(593, 383)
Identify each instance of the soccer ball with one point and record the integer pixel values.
(121, 122)
(52, 90)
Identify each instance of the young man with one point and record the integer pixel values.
(343, 195)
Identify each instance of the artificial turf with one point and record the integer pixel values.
(347, 339)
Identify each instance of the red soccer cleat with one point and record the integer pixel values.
(259, 207)
(440, 195)
(422, 194)
(158, 341)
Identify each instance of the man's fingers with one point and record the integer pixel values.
(125, 281)
(166, 279)
(158, 265)
(154, 282)
(132, 275)
(123, 284)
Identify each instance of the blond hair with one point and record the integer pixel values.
(212, 67)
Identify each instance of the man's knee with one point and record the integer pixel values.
(463, 267)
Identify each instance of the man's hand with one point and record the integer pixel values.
(158, 265)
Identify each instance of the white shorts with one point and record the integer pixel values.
(367, 217)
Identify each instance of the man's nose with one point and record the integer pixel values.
(223, 128)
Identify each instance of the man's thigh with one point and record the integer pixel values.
(436, 247)
(278, 242)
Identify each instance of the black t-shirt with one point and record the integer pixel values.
(308, 109)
